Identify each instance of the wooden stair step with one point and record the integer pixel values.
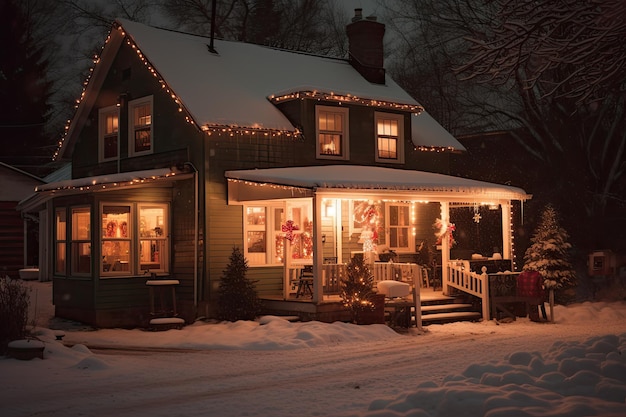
(456, 315)
(444, 307)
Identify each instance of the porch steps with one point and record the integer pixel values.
(444, 309)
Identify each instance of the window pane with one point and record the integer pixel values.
(61, 224)
(151, 252)
(256, 242)
(255, 216)
(111, 124)
(330, 144)
(59, 265)
(81, 224)
(142, 115)
(142, 140)
(152, 221)
(81, 257)
(110, 146)
(115, 221)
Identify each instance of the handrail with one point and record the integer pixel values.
(462, 278)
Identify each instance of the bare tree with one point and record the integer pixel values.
(571, 48)
(302, 25)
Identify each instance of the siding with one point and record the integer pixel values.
(11, 240)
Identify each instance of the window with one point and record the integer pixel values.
(140, 126)
(398, 222)
(389, 137)
(134, 239)
(153, 235)
(332, 132)
(116, 239)
(60, 241)
(81, 241)
(263, 237)
(108, 133)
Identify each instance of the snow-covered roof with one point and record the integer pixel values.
(358, 177)
(234, 86)
(101, 182)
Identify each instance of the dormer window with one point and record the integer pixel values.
(332, 132)
(140, 126)
(108, 118)
(389, 137)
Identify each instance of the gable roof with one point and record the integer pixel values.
(238, 86)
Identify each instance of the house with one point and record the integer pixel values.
(18, 234)
(183, 147)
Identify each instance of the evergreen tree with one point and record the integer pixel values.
(357, 289)
(549, 252)
(238, 299)
(24, 93)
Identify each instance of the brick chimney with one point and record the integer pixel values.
(365, 46)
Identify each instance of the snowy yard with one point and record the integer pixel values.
(575, 367)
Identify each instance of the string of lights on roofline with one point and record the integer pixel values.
(237, 130)
(104, 183)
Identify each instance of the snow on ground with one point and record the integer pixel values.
(574, 367)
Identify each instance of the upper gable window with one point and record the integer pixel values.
(108, 133)
(389, 137)
(140, 126)
(332, 132)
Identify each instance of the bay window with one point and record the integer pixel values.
(134, 239)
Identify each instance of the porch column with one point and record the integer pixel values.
(507, 247)
(317, 249)
(445, 247)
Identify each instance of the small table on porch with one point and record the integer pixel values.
(398, 311)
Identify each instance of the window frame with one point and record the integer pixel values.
(272, 228)
(102, 133)
(132, 128)
(77, 242)
(410, 247)
(344, 132)
(399, 118)
(60, 241)
(136, 239)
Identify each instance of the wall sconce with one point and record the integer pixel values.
(329, 208)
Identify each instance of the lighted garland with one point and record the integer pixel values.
(346, 98)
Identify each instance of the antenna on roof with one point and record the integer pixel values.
(213, 7)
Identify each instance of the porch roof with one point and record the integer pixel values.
(400, 183)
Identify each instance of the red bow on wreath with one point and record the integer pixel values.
(288, 228)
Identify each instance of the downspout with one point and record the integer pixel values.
(195, 232)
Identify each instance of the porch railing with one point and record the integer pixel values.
(332, 274)
(460, 277)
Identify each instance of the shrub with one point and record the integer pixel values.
(14, 301)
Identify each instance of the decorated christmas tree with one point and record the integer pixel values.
(548, 254)
(238, 299)
(357, 289)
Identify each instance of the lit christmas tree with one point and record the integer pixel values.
(357, 289)
(238, 299)
(548, 254)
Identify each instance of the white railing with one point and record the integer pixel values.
(394, 271)
(460, 277)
